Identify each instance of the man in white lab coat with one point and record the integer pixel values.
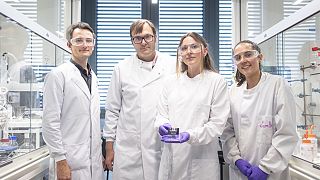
(133, 147)
(71, 112)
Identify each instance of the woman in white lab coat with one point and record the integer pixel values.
(195, 100)
(260, 136)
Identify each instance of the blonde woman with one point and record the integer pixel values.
(195, 100)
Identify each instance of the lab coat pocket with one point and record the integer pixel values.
(265, 130)
(205, 169)
(78, 156)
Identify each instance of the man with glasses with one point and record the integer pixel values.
(71, 112)
(133, 145)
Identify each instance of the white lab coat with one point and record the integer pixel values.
(130, 113)
(262, 129)
(199, 106)
(71, 122)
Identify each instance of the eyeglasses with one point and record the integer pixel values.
(81, 41)
(194, 48)
(247, 54)
(138, 39)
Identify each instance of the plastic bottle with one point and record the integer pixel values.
(309, 145)
(13, 141)
(306, 150)
(316, 56)
(314, 141)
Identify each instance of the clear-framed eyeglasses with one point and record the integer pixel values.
(247, 54)
(147, 38)
(81, 41)
(192, 48)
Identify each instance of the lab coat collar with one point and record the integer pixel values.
(156, 72)
(148, 65)
(78, 80)
(256, 88)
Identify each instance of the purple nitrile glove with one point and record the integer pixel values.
(163, 129)
(255, 173)
(243, 166)
(184, 137)
(181, 138)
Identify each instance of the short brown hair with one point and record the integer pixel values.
(137, 26)
(79, 25)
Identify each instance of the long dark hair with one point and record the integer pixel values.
(207, 60)
(240, 78)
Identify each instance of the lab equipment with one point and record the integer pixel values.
(3, 105)
(13, 141)
(306, 150)
(309, 145)
(163, 129)
(243, 166)
(3, 68)
(173, 132)
(171, 135)
(256, 173)
(4, 152)
(27, 143)
(23, 128)
(316, 90)
(314, 141)
(4, 142)
(180, 138)
(316, 54)
(7, 150)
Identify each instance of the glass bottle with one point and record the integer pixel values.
(27, 144)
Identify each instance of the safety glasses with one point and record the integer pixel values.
(81, 41)
(247, 54)
(192, 48)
